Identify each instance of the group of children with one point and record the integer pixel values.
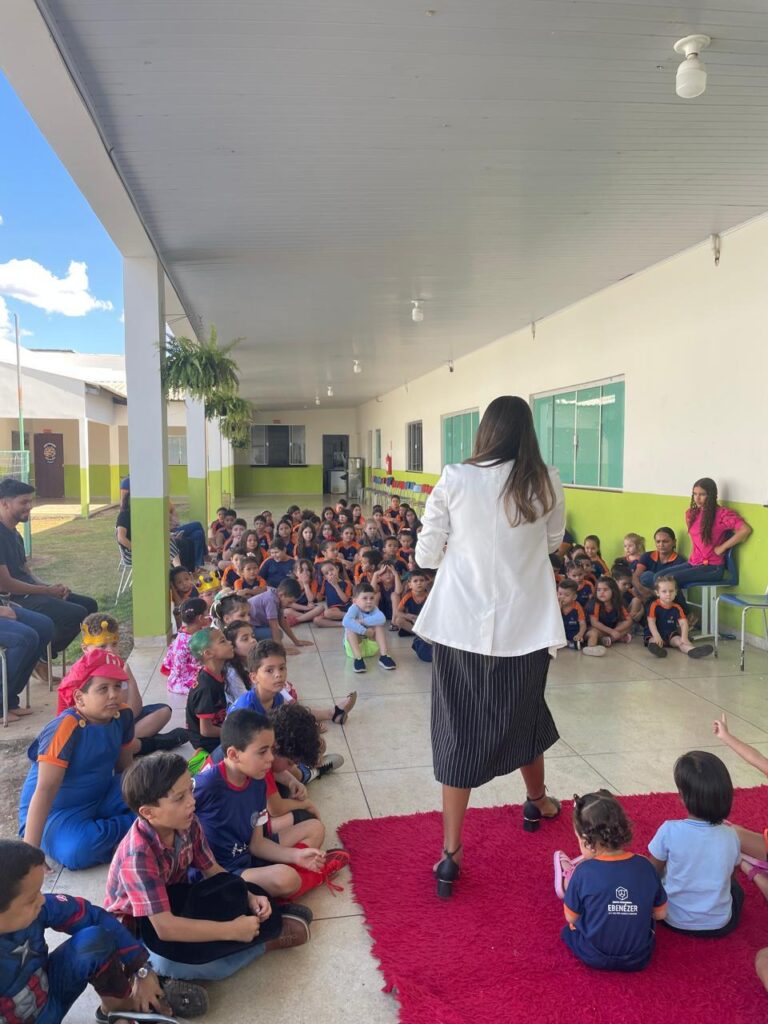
(602, 606)
(209, 854)
(613, 898)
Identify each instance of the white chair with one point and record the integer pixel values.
(4, 684)
(747, 602)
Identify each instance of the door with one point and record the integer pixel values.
(335, 452)
(49, 465)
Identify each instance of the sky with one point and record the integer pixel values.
(59, 269)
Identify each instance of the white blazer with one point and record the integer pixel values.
(495, 591)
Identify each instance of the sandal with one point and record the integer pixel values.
(757, 867)
(446, 872)
(532, 815)
(340, 715)
(564, 868)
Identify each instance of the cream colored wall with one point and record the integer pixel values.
(317, 422)
(98, 444)
(690, 340)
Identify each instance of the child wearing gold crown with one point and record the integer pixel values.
(208, 584)
(102, 632)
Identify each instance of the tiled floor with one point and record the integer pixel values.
(623, 720)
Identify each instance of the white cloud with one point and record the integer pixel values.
(7, 330)
(31, 282)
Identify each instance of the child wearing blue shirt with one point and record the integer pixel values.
(278, 566)
(667, 623)
(696, 856)
(611, 897)
(364, 619)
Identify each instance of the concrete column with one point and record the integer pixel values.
(196, 463)
(214, 467)
(85, 469)
(228, 469)
(114, 463)
(143, 286)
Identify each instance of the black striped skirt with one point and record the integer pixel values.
(489, 715)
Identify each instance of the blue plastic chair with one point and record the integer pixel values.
(746, 602)
(710, 596)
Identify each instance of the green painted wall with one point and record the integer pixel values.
(177, 480)
(254, 480)
(149, 528)
(214, 491)
(198, 498)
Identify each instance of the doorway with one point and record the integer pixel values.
(49, 465)
(335, 452)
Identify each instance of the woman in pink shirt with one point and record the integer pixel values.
(708, 523)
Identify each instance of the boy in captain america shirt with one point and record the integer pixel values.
(667, 624)
(39, 986)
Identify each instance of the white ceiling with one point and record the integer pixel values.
(306, 168)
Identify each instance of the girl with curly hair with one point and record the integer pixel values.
(612, 898)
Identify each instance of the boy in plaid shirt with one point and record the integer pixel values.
(201, 931)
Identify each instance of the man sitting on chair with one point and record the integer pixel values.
(65, 609)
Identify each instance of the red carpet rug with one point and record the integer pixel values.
(493, 954)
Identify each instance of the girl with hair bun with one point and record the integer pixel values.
(612, 898)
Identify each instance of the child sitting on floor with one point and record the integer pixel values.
(70, 803)
(362, 621)
(233, 570)
(278, 566)
(237, 680)
(231, 800)
(574, 619)
(609, 621)
(593, 553)
(250, 583)
(268, 672)
(307, 606)
(372, 535)
(633, 605)
(612, 898)
(409, 608)
(696, 856)
(37, 985)
(179, 664)
(667, 623)
(585, 590)
(182, 587)
(335, 593)
(229, 607)
(634, 549)
(207, 702)
(203, 930)
(266, 612)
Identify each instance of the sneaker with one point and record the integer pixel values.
(387, 663)
(295, 933)
(593, 652)
(335, 861)
(297, 910)
(329, 764)
(171, 740)
(701, 651)
(656, 651)
(359, 665)
(184, 998)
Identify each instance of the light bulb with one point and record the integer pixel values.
(329, 391)
(691, 77)
(356, 367)
(417, 313)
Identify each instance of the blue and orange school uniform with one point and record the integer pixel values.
(611, 618)
(231, 576)
(349, 552)
(362, 575)
(410, 605)
(585, 594)
(600, 567)
(651, 563)
(336, 595)
(573, 620)
(88, 817)
(273, 573)
(667, 619)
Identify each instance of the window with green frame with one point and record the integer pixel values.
(581, 431)
(459, 435)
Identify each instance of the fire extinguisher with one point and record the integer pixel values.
(388, 464)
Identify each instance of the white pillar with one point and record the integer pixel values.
(147, 444)
(85, 469)
(114, 463)
(196, 462)
(214, 467)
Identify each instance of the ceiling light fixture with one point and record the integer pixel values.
(329, 391)
(691, 78)
(417, 313)
(356, 367)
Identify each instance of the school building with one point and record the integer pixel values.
(405, 218)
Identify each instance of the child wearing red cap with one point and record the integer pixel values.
(101, 632)
(71, 804)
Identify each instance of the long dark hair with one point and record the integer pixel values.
(708, 511)
(506, 433)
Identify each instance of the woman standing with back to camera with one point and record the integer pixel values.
(492, 616)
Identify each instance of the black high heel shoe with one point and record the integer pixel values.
(532, 816)
(446, 873)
